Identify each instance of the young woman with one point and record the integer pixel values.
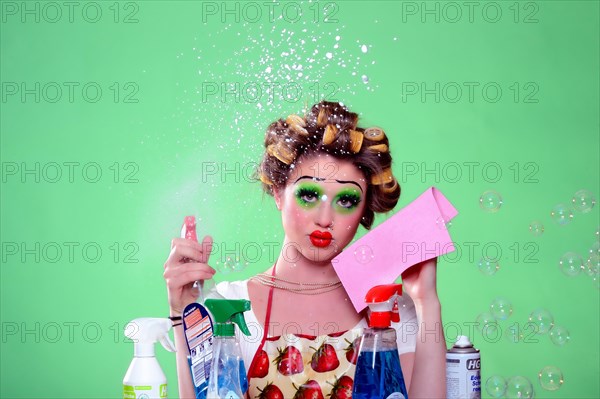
(327, 176)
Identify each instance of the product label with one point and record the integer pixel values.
(144, 391)
(198, 332)
(463, 378)
(396, 395)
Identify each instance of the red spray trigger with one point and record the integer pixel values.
(188, 230)
(378, 300)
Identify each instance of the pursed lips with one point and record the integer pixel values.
(320, 238)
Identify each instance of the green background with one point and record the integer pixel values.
(157, 136)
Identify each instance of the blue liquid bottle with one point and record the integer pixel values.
(378, 372)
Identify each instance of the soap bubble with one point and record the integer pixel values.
(562, 214)
(551, 378)
(490, 201)
(519, 387)
(592, 265)
(495, 386)
(488, 267)
(225, 267)
(583, 201)
(559, 335)
(365, 79)
(443, 222)
(364, 48)
(536, 228)
(363, 254)
(595, 248)
(571, 264)
(486, 324)
(513, 334)
(542, 320)
(501, 308)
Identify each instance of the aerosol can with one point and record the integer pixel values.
(463, 366)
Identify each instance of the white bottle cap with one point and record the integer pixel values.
(462, 341)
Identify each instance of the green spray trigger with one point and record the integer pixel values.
(226, 312)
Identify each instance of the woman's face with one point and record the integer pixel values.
(321, 207)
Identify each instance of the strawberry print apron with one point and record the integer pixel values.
(295, 366)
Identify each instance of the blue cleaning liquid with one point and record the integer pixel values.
(379, 375)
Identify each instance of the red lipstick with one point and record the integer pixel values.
(320, 239)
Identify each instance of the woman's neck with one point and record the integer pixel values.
(292, 265)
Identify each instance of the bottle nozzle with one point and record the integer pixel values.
(380, 300)
(227, 311)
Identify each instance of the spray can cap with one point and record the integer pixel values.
(145, 331)
(462, 341)
(225, 312)
(380, 300)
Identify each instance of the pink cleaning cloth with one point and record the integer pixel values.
(416, 233)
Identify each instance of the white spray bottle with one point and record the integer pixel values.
(144, 377)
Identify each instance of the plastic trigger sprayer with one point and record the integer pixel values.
(227, 373)
(144, 377)
(206, 288)
(378, 373)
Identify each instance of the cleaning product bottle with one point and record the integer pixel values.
(227, 373)
(144, 377)
(206, 288)
(378, 373)
(463, 370)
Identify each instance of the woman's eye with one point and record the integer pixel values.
(309, 197)
(348, 202)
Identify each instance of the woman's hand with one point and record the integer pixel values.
(187, 263)
(419, 281)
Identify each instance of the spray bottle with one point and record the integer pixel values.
(144, 377)
(227, 371)
(206, 288)
(378, 373)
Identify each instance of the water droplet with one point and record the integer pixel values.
(536, 228)
(583, 201)
(501, 308)
(363, 254)
(562, 214)
(519, 387)
(329, 55)
(337, 38)
(365, 79)
(595, 248)
(551, 378)
(559, 335)
(490, 201)
(542, 319)
(488, 267)
(495, 386)
(364, 48)
(571, 264)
